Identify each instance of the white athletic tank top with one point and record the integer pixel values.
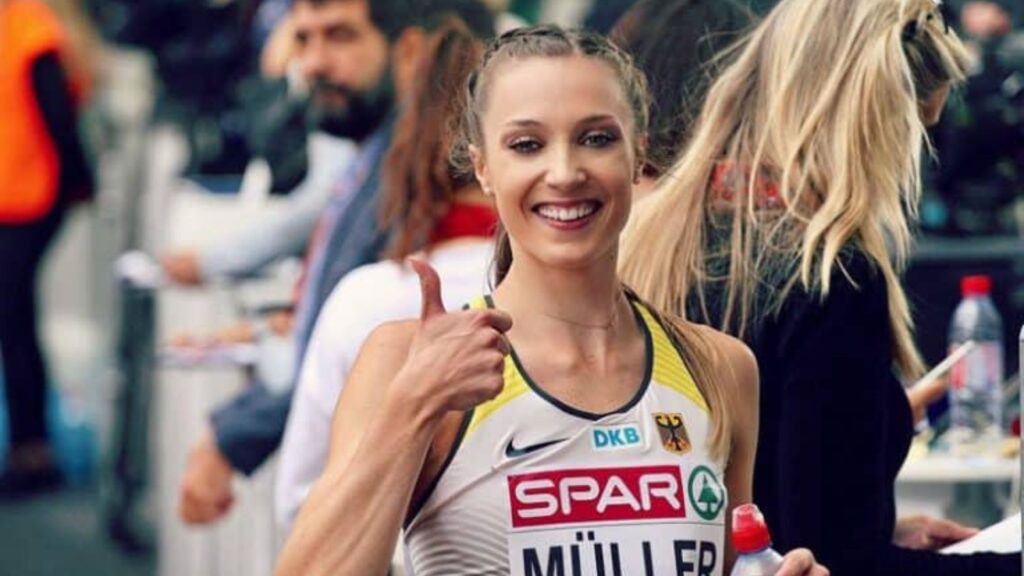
(534, 487)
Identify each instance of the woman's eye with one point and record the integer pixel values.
(598, 139)
(524, 145)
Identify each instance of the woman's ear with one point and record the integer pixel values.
(480, 169)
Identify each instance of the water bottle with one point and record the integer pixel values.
(753, 544)
(976, 396)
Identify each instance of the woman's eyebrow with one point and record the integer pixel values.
(592, 119)
(597, 118)
(522, 123)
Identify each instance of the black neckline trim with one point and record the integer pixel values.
(416, 507)
(572, 410)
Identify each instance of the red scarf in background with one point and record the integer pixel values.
(465, 221)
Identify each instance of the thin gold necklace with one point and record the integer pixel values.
(610, 324)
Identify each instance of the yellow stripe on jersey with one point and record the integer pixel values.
(477, 303)
(515, 385)
(669, 369)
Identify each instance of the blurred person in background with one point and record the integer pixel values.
(85, 47)
(785, 222)
(271, 31)
(278, 51)
(983, 19)
(979, 177)
(42, 171)
(675, 43)
(375, 46)
(603, 15)
(285, 232)
(430, 209)
(505, 19)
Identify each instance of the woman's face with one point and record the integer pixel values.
(559, 157)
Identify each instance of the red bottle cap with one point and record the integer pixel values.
(749, 532)
(975, 286)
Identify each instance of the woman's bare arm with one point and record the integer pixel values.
(407, 378)
(351, 519)
(738, 370)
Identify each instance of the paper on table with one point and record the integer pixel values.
(1001, 537)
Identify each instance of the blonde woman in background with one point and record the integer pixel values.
(786, 223)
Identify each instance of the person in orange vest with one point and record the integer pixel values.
(42, 170)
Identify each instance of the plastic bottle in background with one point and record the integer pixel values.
(753, 543)
(976, 395)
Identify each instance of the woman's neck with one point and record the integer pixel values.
(585, 305)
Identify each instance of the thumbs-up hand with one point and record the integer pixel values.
(457, 359)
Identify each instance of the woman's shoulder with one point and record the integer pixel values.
(389, 343)
(856, 281)
(731, 357)
(727, 356)
(394, 333)
(726, 353)
(855, 299)
(853, 276)
(857, 267)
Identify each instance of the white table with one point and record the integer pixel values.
(930, 484)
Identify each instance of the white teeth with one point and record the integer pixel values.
(569, 214)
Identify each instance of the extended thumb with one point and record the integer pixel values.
(430, 289)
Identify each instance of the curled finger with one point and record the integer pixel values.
(799, 562)
(499, 320)
(503, 345)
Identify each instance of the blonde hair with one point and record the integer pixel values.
(548, 41)
(823, 101)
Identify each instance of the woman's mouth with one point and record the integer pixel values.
(568, 215)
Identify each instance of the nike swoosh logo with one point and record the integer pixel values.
(512, 452)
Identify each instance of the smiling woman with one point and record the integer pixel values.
(559, 417)
(609, 102)
(560, 172)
